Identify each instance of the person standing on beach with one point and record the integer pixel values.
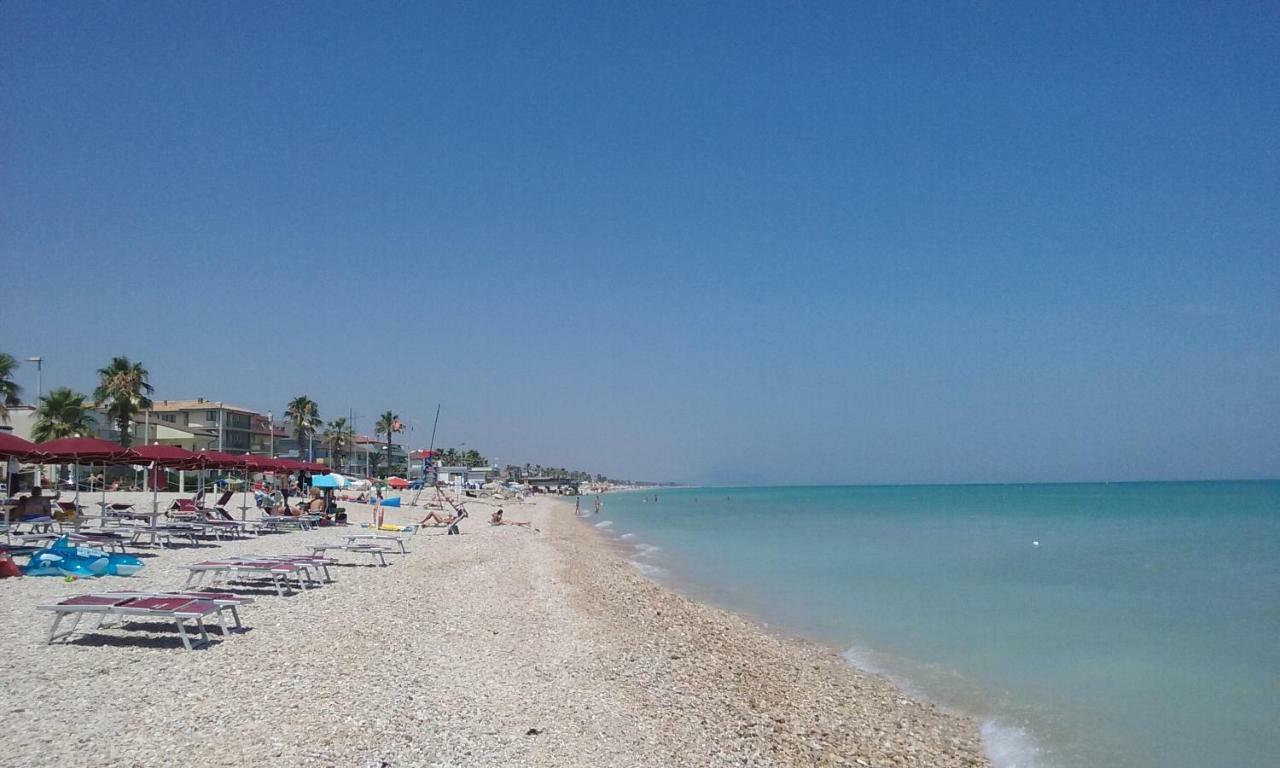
(577, 506)
(597, 503)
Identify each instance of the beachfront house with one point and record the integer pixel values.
(366, 452)
(231, 426)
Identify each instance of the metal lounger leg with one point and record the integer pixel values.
(58, 616)
(222, 621)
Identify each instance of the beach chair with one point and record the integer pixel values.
(278, 569)
(228, 603)
(159, 535)
(217, 571)
(117, 609)
(183, 509)
(117, 509)
(315, 566)
(376, 553)
(70, 514)
(354, 538)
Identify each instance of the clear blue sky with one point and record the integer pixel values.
(821, 242)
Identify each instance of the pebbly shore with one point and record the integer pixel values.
(502, 646)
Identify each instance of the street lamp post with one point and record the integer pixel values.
(39, 361)
(271, 431)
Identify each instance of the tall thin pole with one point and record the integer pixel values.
(425, 462)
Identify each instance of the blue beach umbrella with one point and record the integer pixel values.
(331, 480)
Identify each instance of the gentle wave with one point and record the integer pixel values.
(604, 524)
(1006, 746)
(647, 569)
(1010, 746)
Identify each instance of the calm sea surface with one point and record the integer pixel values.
(1133, 624)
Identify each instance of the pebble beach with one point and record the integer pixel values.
(502, 646)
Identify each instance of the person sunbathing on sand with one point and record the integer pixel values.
(439, 519)
(497, 520)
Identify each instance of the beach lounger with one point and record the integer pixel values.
(228, 603)
(275, 571)
(105, 540)
(353, 538)
(178, 610)
(117, 508)
(69, 514)
(375, 552)
(315, 565)
(158, 535)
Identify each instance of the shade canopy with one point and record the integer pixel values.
(12, 445)
(166, 456)
(219, 460)
(261, 463)
(397, 482)
(85, 450)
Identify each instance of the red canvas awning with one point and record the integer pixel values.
(85, 450)
(167, 456)
(12, 445)
(219, 460)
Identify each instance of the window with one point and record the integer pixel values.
(211, 417)
(169, 417)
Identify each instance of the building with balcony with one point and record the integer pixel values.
(231, 427)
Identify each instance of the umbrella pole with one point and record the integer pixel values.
(75, 478)
(155, 502)
(102, 518)
(244, 495)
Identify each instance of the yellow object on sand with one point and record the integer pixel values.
(391, 527)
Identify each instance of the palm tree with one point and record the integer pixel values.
(123, 388)
(8, 388)
(304, 414)
(61, 413)
(388, 424)
(337, 435)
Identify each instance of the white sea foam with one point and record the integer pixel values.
(604, 523)
(646, 550)
(647, 569)
(1006, 746)
(1010, 746)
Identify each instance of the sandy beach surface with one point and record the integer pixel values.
(504, 646)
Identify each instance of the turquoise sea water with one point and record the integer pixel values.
(1143, 630)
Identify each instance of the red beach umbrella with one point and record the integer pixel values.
(164, 456)
(398, 483)
(167, 456)
(12, 445)
(73, 450)
(90, 449)
(219, 460)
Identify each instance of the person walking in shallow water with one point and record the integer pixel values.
(597, 503)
